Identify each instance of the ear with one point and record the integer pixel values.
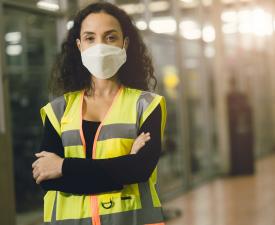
(126, 42)
(78, 44)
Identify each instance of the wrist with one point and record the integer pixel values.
(61, 166)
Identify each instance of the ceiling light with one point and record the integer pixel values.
(50, 5)
(141, 25)
(163, 25)
(158, 6)
(14, 50)
(70, 24)
(208, 33)
(190, 30)
(229, 16)
(13, 37)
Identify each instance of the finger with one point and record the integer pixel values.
(139, 147)
(138, 138)
(40, 178)
(141, 134)
(41, 154)
(35, 174)
(145, 139)
(35, 163)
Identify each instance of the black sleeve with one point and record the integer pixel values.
(78, 184)
(107, 174)
(127, 169)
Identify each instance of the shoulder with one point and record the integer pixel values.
(63, 99)
(142, 95)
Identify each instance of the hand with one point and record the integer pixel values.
(140, 142)
(47, 166)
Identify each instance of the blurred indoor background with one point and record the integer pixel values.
(215, 64)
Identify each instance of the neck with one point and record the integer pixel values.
(105, 88)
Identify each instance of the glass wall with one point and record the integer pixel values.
(171, 166)
(185, 75)
(248, 36)
(30, 48)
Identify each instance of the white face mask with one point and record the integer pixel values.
(103, 61)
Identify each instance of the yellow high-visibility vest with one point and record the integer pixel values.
(135, 204)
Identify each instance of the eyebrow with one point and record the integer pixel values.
(106, 32)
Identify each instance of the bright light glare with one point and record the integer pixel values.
(187, 1)
(262, 22)
(190, 30)
(13, 37)
(208, 33)
(14, 50)
(158, 6)
(48, 5)
(229, 16)
(166, 25)
(133, 8)
(139, 8)
(244, 16)
(141, 25)
(69, 24)
(245, 28)
(256, 21)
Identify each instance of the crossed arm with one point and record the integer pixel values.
(91, 176)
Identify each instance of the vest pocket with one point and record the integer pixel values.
(118, 203)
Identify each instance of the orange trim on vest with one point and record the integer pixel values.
(94, 199)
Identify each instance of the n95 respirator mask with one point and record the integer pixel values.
(102, 60)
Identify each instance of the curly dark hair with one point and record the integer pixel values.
(69, 74)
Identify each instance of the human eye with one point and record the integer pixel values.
(111, 38)
(89, 38)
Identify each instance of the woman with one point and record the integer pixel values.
(102, 137)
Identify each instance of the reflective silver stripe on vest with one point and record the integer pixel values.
(54, 208)
(150, 214)
(58, 105)
(71, 138)
(118, 130)
(135, 217)
(143, 102)
(82, 221)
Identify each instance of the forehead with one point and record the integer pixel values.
(99, 23)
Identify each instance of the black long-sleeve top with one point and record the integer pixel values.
(92, 176)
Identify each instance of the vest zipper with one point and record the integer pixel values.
(94, 199)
